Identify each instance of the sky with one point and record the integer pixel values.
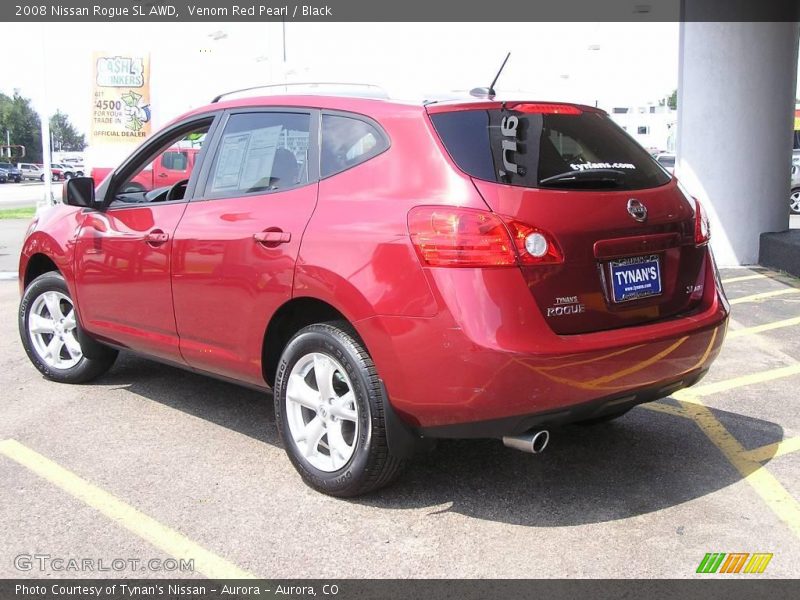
(609, 64)
(627, 64)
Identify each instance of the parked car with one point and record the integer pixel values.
(31, 171)
(667, 160)
(12, 172)
(36, 171)
(170, 167)
(66, 170)
(395, 273)
(3, 176)
(56, 172)
(794, 194)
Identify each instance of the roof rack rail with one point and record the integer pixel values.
(370, 90)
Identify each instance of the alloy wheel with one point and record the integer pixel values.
(52, 327)
(322, 412)
(794, 201)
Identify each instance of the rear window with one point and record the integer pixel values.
(555, 151)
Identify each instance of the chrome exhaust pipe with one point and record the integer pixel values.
(533, 442)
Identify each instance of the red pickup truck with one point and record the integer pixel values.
(171, 166)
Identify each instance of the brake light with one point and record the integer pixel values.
(702, 230)
(457, 237)
(547, 109)
(461, 237)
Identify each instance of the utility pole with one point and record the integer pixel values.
(45, 120)
(283, 25)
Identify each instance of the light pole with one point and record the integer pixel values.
(45, 121)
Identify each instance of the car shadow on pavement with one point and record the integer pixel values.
(247, 411)
(643, 462)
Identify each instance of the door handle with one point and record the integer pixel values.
(156, 237)
(272, 237)
(162, 174)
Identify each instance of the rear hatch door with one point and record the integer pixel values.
(622, 223)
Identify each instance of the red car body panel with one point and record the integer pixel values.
(599, 228)
(122, 279)
(375, 269)
(456, 368)
(227, 286)
(453, 346)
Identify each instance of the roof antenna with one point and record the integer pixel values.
(489, 92)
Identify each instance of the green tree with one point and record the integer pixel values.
(22, 123)
(65, 136)
(672, 101)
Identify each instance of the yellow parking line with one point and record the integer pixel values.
(138, 523)
(765, 453)
(675, 411)
(734, 333)
(762, 481)
(743, 278)
(735, 382)
(765, 295)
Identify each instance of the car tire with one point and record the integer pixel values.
(350, 455)
(606, 418)
(794, 201)
(78, 174)
(54, 177)
(41, 177)
(43, 332)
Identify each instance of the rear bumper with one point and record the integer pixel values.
(572, 413)
(488, 365)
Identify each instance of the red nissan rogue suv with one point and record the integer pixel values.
(393, 272)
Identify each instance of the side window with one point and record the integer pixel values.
(175, 161)
(347, 142)
(260, 152)
(148, 183)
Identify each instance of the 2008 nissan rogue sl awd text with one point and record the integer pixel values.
(393, 272)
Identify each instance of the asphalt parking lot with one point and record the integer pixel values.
(151, 462)
(27, 193)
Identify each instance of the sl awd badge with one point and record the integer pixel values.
(637, 210)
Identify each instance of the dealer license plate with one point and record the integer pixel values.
(636, 277)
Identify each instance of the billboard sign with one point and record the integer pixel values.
(120, 98)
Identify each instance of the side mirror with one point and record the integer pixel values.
(79, 191)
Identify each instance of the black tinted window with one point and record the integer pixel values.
(176, 161)
(347, 142)
(260, 152)
(560, 151)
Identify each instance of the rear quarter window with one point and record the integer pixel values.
(586, 150)
(347, 142)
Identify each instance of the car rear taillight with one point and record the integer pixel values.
(461, 237)
(534, 246)
(546, 108)
(702, 231)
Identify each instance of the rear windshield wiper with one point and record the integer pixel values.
(607, 177)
